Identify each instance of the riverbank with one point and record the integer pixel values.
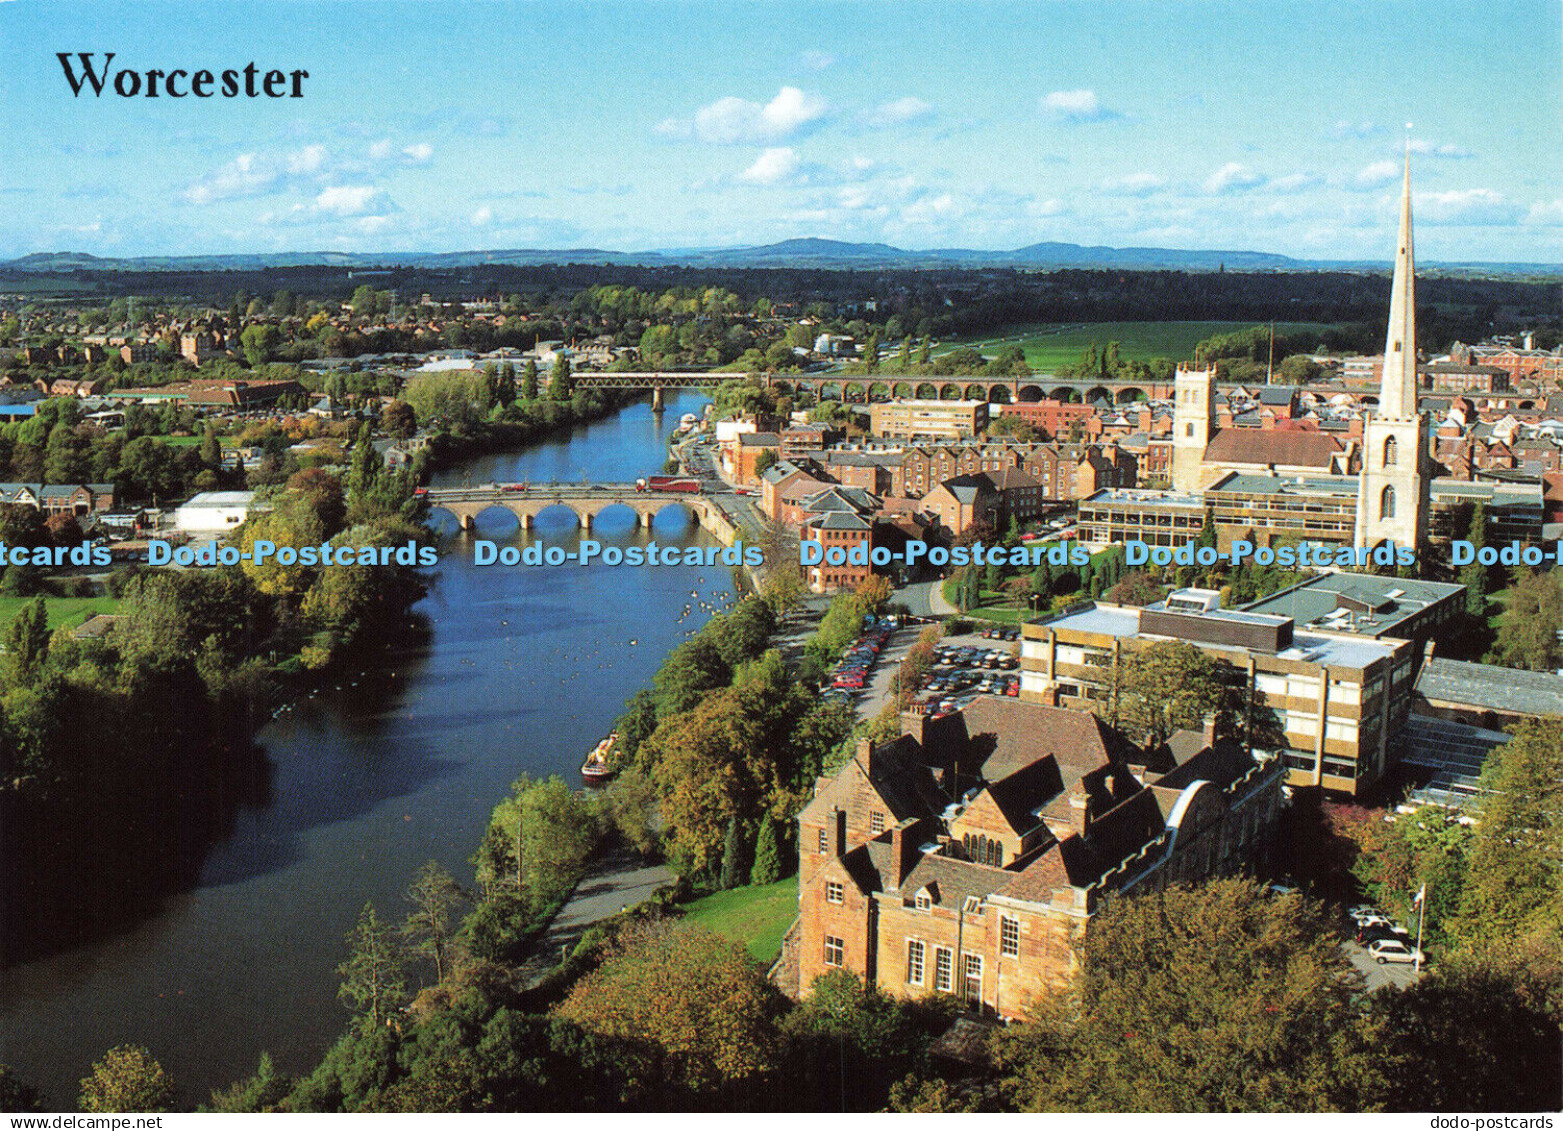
(363, 785)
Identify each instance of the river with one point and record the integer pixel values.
(520, 670)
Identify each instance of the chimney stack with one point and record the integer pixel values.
(1080, 812)
(838, 820)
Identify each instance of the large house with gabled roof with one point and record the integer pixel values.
(968, 856)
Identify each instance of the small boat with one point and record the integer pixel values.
(596, 768)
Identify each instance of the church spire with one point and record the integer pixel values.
(1398, 395)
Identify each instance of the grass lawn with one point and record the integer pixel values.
(1049, 345)
(62, 610)
(995, 606)
(758, 917)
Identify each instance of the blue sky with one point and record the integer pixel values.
(451, 126)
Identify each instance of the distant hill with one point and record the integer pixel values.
(805, 252)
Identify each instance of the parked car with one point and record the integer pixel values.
(1372, 919)
(1393, 950)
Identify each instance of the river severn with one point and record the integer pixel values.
(508, 671)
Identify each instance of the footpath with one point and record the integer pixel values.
(615, 883)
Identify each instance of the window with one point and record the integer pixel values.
(835, 951)
(924, 902)
(971, 981)
(834, 892)
(943, 969)
(824, 841)
(876, 823)
(1390, 444)
(1009, 937)
(1386, 507)
(914, 962)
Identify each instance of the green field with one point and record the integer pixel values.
(1049, 345)
(62, 610)
(758, 917)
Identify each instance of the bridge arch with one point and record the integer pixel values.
(950, 392)
(1028, 394)
(1130, 395)
(853, 392)
(999, 394)
(878, 391)
(974, 392)
(1098, 392)
(1066, 394)
(902, 389)
(927, 391)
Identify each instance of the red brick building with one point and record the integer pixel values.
(968, 856)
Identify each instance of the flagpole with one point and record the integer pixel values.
(1421, 914)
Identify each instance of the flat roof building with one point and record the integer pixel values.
(948, 420)
(1329, 699)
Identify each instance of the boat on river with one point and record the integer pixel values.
(597, 768)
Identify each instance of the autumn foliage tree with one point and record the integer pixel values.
(128, 1078)
(691, 997)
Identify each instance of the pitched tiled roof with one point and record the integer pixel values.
(1261, 446)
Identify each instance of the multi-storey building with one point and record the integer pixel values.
(1326, 700)
(924, 420)
(968, 857)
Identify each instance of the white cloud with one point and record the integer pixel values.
(1448, 149)
(1377, 175)
(310, 159)
(1233, 177)
(380, 150)
(1478, 206)
(818, 60)
(898, 112)
(352, 200)
(1134, 184)
(246, 175)
(419, 152)
(482, 216)
(1076, 106)
(737, 121)
(773, 167)
(1344, 129)
(1546, 212)
(1296, 182)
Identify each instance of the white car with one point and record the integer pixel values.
(1372, 919)
(1361, 909)
(1393, 950)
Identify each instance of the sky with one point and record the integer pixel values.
(650, 124)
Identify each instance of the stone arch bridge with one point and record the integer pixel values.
(527, 500)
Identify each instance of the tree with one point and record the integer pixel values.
(1472, 1034)
(696, 1000)
(16, 1095)
(559, 385)
(434, 896)
(27, 640)
(365, 466)
(874, 591)
(1171, 685)
(735, 864)
(767, 855)
(1528, 633)
(1211, 998)
(1516, 873)
(211, 449)
(127, 1079)
(692, 669)
(374, 978)
(399, 419)
(262, 1092)
(259, 341)
(529, 381)
(505, 388)
(853, 1041)
(764, 461)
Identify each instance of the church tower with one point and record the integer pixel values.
(1193, 424)
(1392, 493)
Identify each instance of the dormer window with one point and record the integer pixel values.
(876, 823)
(923, 900)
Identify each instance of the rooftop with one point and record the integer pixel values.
(1491, 688)
(1355, 602)
(1143, 497)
